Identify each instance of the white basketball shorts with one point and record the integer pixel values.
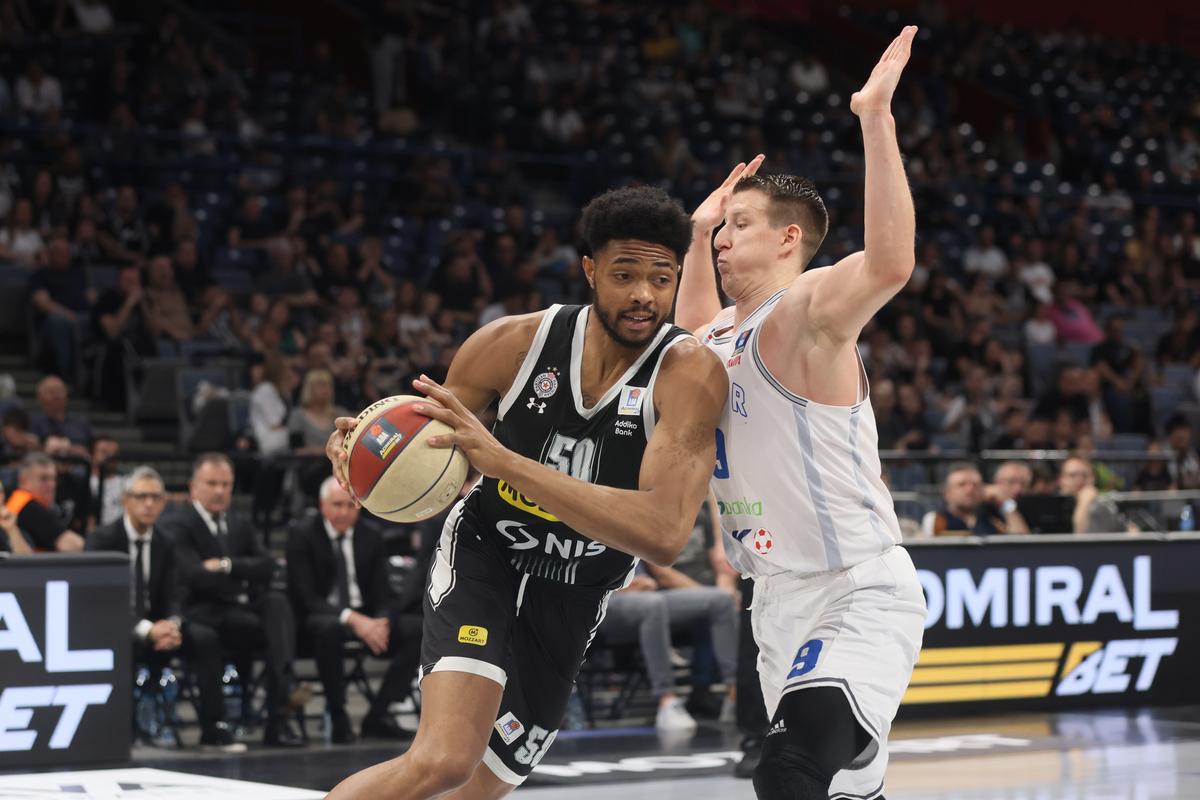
(858, 629)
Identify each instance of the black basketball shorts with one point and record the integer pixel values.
(528, 634)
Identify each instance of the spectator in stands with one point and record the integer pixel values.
(168, 315)
(338, 584)
(160, 631)
(192, 276)
(702, 564)
(1101, 426)
(20, 242)
(984, 257)
(809, 75)
(15, 439)
(1154, 475)
(1012, 435)
(120, 324)
(310, 424)
(37, 92)
(320, 354)
(227, 573)
(1184, 462)
(963, 512)
(1121, 369)
(942, 312)
(1122, 287)
(336, 273)
(252, 228)
(277, 334)
(125, 236)
(1067, 393)
(11, 538)
(1011, 480)
(269, 405)
(92, 17)
(284, 280)
(162, 217)
(72, 500)
(912, 429)
(105, 482)
(642, 613)
(1038, 327)
(60, 297)
(972, 414)
(464, 289)
(556, 259)
(1036, 275)
(1093, 513)
(53, 418)
(1180, 345)
(378, 287)
(1072, 319)
(32, 504)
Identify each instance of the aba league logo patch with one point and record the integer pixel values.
(631, 400)
(545, 384)
(381, 438)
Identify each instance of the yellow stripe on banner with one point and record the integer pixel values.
(1078, 652)
(988, 655)
(964, 692)
(984, 672)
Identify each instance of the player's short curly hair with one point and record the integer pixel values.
(792, 200)
(645, 213)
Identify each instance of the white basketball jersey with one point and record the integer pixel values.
(797, 483)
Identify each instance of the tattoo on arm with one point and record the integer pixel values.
(588, 400)
(520, 360)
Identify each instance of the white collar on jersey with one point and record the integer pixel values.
(577, 364)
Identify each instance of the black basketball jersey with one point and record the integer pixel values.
(542, 417)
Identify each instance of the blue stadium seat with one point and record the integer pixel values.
(1130, 442)
(101, 278)
(1080, 353)
(234, 280)
(1179, 375)
(244, 258)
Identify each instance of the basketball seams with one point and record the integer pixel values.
(409, 438)
(432, 486)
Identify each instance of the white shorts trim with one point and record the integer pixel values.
(502, 772)
(472, 666)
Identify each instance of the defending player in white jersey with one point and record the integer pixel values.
(838, 612)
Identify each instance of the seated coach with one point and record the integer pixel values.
(226, 572)
(159, 630)
(337, 579)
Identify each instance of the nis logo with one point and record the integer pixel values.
(1048, 597)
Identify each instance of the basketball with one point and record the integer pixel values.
(391, 469)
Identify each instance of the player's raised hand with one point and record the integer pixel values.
(481, 448)
(711, 212)
(876, 95)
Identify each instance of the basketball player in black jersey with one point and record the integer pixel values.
(601, 454)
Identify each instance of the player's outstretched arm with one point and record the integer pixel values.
(652, 522)
(848, 295)
(699, 302)
(483, 368)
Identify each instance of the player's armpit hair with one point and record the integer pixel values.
(645, 213)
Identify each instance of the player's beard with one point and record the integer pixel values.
(610, 321)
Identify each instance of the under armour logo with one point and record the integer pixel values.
(533, 403)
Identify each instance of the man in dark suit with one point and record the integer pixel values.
(337, 579)
(227, 574)
(159, 631)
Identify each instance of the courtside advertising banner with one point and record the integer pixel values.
(65, 679)
(1057, 622)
